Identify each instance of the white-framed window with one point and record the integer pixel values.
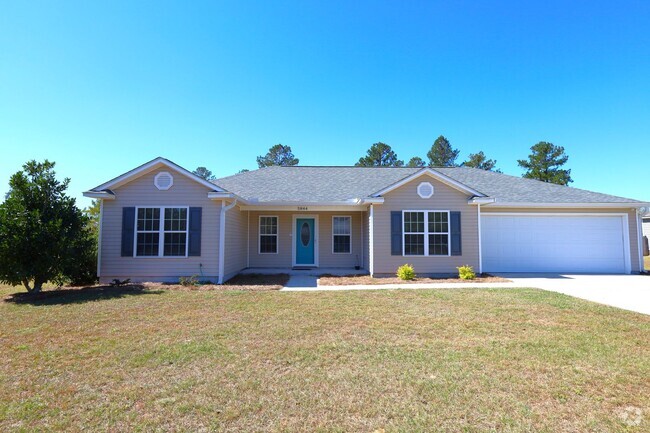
(161, 231)
(425, 190)
(425, 233)
(268, 237)
(341, 235)
(163, 180)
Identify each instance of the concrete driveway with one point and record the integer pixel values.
(630, 292)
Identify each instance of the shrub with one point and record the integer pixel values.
(189, 281)
(406, 272)
(466, 272)
(43, 234)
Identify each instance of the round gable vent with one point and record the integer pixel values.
(163, 181)
(425, 190)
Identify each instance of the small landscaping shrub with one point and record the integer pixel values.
(117, 283)
(406, 272)
(189, 281)
(466, 272)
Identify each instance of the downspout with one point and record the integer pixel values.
(480, 252)
(222, 237)
(371, 241)
(99, 238)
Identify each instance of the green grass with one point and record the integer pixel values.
(412, 360)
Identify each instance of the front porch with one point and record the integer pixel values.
(306, 271)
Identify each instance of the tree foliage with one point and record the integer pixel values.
(442, 154)
(277, 155)
(479, 160)
(204, 173)
(545, 164)
(43, 235)
(416, 161)
(92, 214)
(380, 155)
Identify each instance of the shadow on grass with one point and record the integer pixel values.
(79, 295)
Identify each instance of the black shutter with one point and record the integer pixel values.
(194, 248)
(128, 227)
(396, 233)
(456, 248)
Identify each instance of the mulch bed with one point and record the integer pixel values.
(353, 280)
(247, 282)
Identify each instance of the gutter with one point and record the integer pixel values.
(102, 195)
(222, 237)
(619, 205)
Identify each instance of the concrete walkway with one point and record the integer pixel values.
(630, 292)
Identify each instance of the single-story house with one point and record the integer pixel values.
(160, 222)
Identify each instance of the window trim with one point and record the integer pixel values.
(161, 233)
(348, 235)
(426, 233)
(259, 234)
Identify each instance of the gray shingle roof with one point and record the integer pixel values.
(333, 184)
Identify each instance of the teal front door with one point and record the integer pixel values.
(304, 241)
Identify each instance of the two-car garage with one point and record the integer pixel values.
(520, 242)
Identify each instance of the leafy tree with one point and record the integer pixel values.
(380, 155)
(277, 155)
(43, 235)
(545, 162)
(416, 161)
(243, 170)
(442, 154)
(204, 173)
(92, 215)
(479, 160)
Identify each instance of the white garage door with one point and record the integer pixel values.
(567, 243)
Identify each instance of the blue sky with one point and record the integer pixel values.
(101, 87)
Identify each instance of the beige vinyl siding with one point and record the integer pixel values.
(631, 219)
(326, 259)
(406, 198)
(235, 242)
(142, 192)
(646, 227)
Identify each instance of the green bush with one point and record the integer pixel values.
(189, 281)
(466, 272)
(406, 272)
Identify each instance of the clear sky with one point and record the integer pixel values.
(101, 87)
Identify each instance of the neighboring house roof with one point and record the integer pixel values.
(339, 184)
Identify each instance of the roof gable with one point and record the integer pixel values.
(434, 174)
(149, 167)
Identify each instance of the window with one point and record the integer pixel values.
(341, 235)
(161, 232)
(426, 233)
(268, 235)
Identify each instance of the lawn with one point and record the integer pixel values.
(407, 361)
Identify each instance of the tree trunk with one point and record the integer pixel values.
(38, 285)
